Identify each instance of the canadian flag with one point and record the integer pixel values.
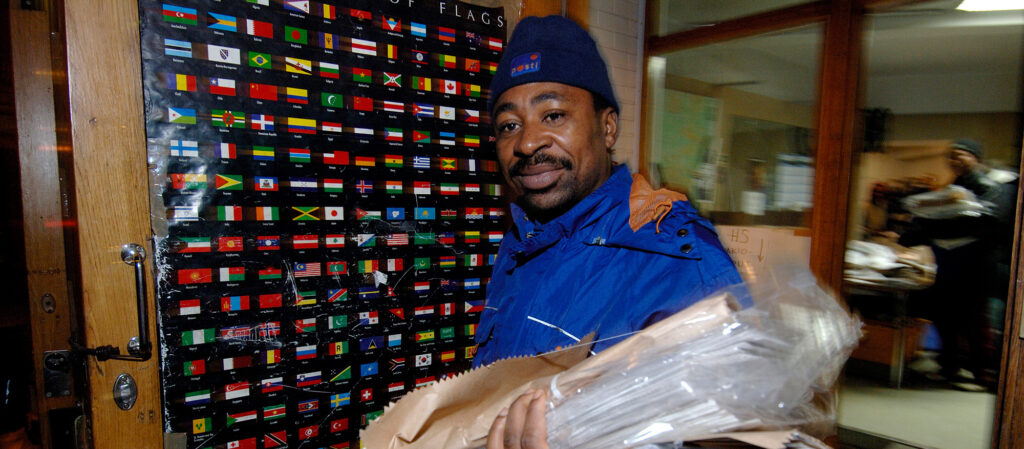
(451, 87)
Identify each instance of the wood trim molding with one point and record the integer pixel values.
(1008, 423)
(645, 110)
(42, 215)
(748, 26)
(793, 16)
(539, 8)
(577, 10)
(882, 5)
(836, 141)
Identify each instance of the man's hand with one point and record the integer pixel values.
(522, 425)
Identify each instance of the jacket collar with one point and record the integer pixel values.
(532, 237)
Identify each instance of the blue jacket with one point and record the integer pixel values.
(588, 271)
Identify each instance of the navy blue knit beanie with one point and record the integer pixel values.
(556, 49)
(969, 145)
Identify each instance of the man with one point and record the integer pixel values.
(592, 249)
(972, 252)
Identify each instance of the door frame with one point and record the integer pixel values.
(1008, 425)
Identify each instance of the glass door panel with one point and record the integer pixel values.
(932, 297)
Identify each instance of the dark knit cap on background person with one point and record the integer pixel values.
(969, 145)
(552, 49)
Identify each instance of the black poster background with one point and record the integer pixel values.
(280, 324)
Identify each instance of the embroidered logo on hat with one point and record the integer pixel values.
(525, 63)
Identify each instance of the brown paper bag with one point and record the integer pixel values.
(457, 413)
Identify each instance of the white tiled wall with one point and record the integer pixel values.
(618, 28)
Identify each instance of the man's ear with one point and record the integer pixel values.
(610, 125)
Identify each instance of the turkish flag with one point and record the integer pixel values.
(339, 425)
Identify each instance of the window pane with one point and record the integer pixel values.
(733, 125)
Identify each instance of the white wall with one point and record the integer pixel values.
(618, 28)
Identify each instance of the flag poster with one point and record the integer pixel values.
(326, 207)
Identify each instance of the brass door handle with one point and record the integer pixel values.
(140, 348)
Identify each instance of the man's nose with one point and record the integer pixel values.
(532, 138)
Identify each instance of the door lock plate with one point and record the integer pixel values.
(125, 391)
(57, 373)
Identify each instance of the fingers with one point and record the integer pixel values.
(535, 434)
(516, 420)
(522, 425)
(497, 432)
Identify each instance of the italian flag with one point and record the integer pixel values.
(229, 213)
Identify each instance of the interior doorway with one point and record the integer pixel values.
(931, 74)
(937, 78)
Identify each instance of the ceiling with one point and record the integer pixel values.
(930, 58)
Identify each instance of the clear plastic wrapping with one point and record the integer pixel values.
(710, 368)
(948, 202)
(890, 265)
(769, 366)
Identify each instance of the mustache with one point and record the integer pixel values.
(537, 159)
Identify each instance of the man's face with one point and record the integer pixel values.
(552, 145)
(961, 161)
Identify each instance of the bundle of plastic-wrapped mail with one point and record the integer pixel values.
(948, 202)
(711, 368)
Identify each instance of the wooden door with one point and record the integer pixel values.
(85, 103)
(109, 201)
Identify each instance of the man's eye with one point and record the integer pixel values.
(507, 127)
(552, 116)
